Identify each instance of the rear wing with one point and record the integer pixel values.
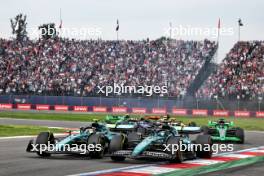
(111, 119)
(152, 117)
(123, 128)
(188, 130)
(214, 123)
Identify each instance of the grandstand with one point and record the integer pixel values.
(72, 67)
(75, 67)
(240, 75)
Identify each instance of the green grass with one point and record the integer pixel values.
(51, 116)
(24, 130)
(246, 123)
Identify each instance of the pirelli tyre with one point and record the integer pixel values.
(44, 138)
(240, 134)
(99, 145)
(205, 148)
(117, 143)
(177, 156)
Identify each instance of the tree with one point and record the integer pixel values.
(48, 31)
(19, 25)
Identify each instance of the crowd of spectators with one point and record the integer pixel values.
(76, 67)
(240, 76)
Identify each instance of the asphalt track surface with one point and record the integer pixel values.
(15, 161)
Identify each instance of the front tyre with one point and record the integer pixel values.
(44, 138)
(240, 134)
(96, 140)
(117, 143)
(206, 143)
(177, 156)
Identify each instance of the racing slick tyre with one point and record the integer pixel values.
(240, 134)
(177, 156)
(44, 138)
(192, 124)
(206, 144)
(96, 140)
(117, 143)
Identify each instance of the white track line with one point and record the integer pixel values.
(239, 151)
(22, 137)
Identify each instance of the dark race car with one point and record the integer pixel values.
(159, 144)
(142, 126)
(95, 138)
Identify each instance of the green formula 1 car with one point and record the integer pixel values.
(160, 144)
(112, 120)
(224, 131)
(92, 140)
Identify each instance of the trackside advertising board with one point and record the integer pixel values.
(80, 108)
(6, 106)
(176, 111)
(159, 110)
(200, 112)
(24, 106)
(221, 113)
(42, 107)
(61, 108)
(134, 110)
(242, 113)
(99, 109)
(119, 109)
(139, 110)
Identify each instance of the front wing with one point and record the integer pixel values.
(145, 154)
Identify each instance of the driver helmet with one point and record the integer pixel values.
(166, 126)
(95, 125)
(127, 116)
(221, 121)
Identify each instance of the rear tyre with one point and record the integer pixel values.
(177, 156)
(117, 143)
(206, 144)
(43, 139)
(96, 140)
(240, 134)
